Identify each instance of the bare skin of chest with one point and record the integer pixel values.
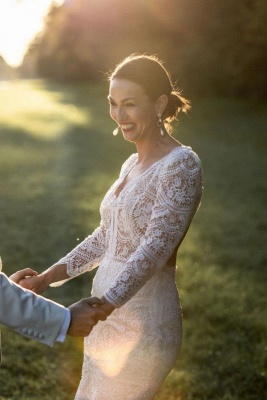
(136, 171)
(141, 167)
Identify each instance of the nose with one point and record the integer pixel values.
(120, 114)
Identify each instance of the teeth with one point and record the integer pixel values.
(127, 126)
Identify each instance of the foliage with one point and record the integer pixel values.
(212, 46)
(57, 160)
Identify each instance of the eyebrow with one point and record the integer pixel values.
(123, 100)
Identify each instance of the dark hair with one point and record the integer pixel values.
(150, 73)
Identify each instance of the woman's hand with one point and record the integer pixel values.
(22, 274)
(101, 304)
(106, 307)
(36, 283)
(30, 279)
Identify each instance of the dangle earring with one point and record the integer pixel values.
(116, 131)
(160, 124)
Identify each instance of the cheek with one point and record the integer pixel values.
(146, 118)
(112, 113)
(147, 114)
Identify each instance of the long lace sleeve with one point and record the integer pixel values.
(178, 197)
(86, 256)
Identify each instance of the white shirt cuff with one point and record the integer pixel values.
(64, 328)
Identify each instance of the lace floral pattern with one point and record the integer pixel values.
(144, 225)
(135, 245)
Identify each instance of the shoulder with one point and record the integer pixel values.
(4, 281)
(181, 158)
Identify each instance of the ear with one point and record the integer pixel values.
(161, 103)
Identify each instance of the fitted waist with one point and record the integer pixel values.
(110, 269)
(111, 259)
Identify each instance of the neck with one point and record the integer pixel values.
(153, 148)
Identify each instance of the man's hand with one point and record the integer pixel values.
(84, 316)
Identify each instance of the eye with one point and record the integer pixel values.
(112, 103)
(130, 104)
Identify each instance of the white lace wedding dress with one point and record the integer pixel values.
(128, 356)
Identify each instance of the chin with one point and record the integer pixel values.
(131, 136)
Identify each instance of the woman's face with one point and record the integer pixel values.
(132, 109)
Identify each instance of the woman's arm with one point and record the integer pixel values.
(82, 258)
(39, 283)
(178, 197)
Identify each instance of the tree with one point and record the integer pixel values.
(213, 46)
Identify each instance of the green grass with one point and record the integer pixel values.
(57, 159)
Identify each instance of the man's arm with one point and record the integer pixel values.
(41, 319)
(28, 314)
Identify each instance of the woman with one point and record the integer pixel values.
(144, 218)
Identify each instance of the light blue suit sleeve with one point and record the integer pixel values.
(29, 314)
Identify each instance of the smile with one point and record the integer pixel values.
(127, 127)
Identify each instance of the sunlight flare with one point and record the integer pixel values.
(20, 22)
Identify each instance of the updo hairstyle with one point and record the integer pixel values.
(150, 73)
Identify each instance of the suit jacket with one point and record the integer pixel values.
(29, 314)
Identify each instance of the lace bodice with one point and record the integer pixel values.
(144, 225)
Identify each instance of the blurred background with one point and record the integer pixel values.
(212, 46)
(58, 157)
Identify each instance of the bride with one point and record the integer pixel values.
(144, 218)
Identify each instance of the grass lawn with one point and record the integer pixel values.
(57, 159)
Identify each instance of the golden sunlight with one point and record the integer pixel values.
(111, 355)
(111, 360)
(20, 21)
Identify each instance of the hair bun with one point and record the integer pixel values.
(176, 104)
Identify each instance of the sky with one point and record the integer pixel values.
(20, 21)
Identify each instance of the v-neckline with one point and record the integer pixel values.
(143, 173)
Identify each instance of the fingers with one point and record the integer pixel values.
(35, 283)
(26, 283)
(85, 314)
(95, 308)
(93, 301)
(107, 308)
(101, 304)
(100, 315)
(19, 275)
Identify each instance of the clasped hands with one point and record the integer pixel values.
(85, 314)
